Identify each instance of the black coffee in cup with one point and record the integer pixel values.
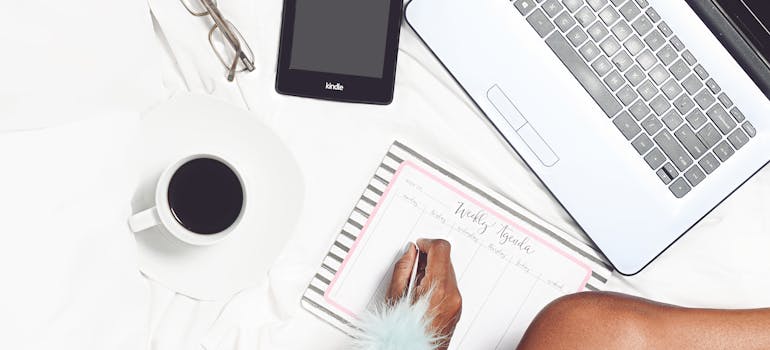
(205, 196)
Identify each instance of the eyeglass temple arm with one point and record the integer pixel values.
(231, 38)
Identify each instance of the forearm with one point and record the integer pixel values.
(713, 329)
(607, 321)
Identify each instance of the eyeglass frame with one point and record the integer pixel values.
(221, 23)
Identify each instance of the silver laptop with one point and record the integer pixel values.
(636, 117)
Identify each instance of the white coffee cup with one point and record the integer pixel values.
(162, 215)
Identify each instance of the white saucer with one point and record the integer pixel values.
(190, 124)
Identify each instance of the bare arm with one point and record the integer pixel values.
(616, 321)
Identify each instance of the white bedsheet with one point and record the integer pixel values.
(723, 262)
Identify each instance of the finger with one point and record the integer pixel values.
(439, 272)
(402, 272)
(438, 252)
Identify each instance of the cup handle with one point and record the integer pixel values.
(144, 220)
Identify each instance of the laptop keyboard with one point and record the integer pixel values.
(651, 87)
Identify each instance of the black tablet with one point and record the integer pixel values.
(342, 50)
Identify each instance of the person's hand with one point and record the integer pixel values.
(445, 304)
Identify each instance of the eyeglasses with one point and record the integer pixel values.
(226, 41)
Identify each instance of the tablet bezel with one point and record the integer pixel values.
(357, 89)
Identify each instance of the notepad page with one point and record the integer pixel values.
(509, 264)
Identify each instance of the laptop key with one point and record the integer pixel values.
(572, 5)
(614, 80)
(646, 59)
(749, 128)
(709, 163)
(691, 143)
(724, 151)
(635, 75)
(673, 150)
(623, 61)
(598, 31)
(589, 51)
(655, 159)
(564, 21)
(647, 90)
(583, 73)
(642, 3)
(689, 57)
(701, 72)
(737, 114)
(634, 45)
(629, 10)
(585, 16)
(704, 99)
(627, 125)
(652, 125)
(610, 46)
(696, 119)
(659, 74)
(525, 6)
(653, 15)
(727, 102)
(671, 88)
(677, 43)
(684, 103)
(713, 86)
(665, 29)
(660, 105)
(694, 175)
(622, 31)
(738, 139)
(667, 173)
(680, 188)
(667, 54)
(642, 144)
(723, 121)
(642, 26)
(552, 7)
(692, 84)
(679, 69)
(672, 119)
(609, 16)
(602, 66)
(597, 4)
(709, 135)
(540, 23)
(639, 109)
(655, 40)
(626, 95)
(577, 36)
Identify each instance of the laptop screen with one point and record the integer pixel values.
(752, 17)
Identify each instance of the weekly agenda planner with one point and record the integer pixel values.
(509, 263)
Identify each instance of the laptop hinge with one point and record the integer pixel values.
(734, 41)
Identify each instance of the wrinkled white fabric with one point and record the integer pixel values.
(64, 61)
(68, 260)
(720, 263)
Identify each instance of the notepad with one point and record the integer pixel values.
(509, 263)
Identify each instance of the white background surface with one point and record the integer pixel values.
(723, 262)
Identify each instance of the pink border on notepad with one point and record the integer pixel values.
(465, 196)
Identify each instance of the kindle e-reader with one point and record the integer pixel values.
(342, 50)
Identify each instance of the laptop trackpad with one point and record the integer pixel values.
(528, 134)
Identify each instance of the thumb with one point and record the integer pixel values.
(402, 272)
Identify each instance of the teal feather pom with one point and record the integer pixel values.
(399, 326)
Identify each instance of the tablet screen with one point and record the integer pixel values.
(340, 36)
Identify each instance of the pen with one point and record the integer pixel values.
(411, 285)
